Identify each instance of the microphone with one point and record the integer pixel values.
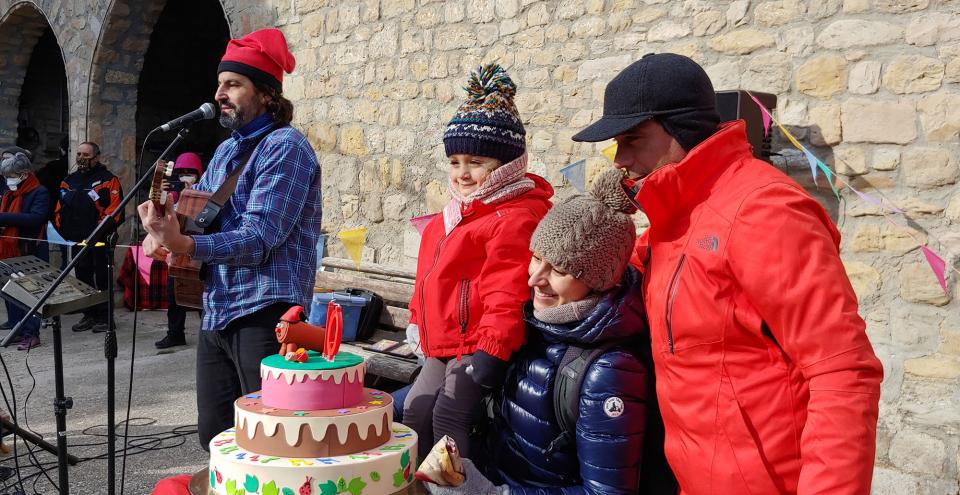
(206, 111)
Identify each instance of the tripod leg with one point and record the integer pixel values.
(30, 437)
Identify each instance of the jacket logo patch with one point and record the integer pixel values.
(613, 407)
(709, 243)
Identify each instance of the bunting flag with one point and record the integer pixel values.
(421, 222)
(353, 241)
(766, 120)
(610, 152)
(933, 259)
(938, 266)
(576, 174)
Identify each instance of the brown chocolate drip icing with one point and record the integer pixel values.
(306, 446)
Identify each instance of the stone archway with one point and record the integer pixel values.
(117, 64)
(44, 111)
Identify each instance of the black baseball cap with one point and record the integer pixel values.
(665, 86)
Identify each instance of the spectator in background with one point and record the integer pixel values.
(53, 173)
(187, 169)
(87, 196)
(23, 213)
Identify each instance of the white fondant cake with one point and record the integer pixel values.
(381, 471)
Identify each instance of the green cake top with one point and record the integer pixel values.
(315, 361)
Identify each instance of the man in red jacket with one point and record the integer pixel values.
(765, 377)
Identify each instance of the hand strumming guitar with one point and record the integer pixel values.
(164, 228)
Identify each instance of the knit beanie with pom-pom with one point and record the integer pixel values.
(590, 235)
(488, 123)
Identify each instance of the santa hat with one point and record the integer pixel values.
(262, 55)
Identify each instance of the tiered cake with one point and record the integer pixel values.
(313, 430)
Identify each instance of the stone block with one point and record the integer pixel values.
(886, 159)
(953, 208)
(668, 30)
(850, 160)
(822, 76)
(913, 74)
(820, 9)
(825, 129)
(411, 242)
(865, 77)
(480, 11)
(777, 13)
(865, 279)
(533, 37)
(918, 284)
(589, 27)
(314, 25)
(737, 12)
(769, 72)
(352, 141)
(322, 137)
(436, 196)
(929, 167)
(848, 33)
(873, 121)
(792, 111)
(603, 68)
(742, 42)
(453, 11)
(939, 117)
(708, 23)
(454, 38)
(935, 366)
(924, 30)
(797, 42)
(394, 207)
(507, 9)
(395, 8)
(569, 9)
(725, 74)
(915, 452)
(538, 15)
(901, 6)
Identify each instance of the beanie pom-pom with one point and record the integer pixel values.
(608, 189)
(487, 79)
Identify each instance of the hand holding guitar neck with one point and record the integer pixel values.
(158, 194)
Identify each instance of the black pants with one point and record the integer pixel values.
(176, 314)
(228, 366)
(92, 269)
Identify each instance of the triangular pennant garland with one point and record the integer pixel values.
(576, 174)
(421, 222)
(353, 241)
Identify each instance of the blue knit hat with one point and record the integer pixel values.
(487, 124)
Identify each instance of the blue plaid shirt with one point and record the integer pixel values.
(265, 251)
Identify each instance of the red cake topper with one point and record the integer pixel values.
(334, 331)
(293, 332)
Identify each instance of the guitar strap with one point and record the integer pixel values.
(207, 217)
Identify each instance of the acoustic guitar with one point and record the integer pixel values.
(187, 283)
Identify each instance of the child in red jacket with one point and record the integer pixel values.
(472, 266)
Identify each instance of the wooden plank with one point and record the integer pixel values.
(394, 368)
(392, 271)
(393, 294)
(395, 317)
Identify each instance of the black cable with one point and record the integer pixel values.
(13, 414)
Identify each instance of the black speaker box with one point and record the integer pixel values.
(737, 104)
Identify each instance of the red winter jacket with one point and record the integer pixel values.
(471, 284)
(765, 377)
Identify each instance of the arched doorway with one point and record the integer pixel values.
(180, 73)
(43, 117)
(34, 102)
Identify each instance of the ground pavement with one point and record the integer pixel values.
(163, 433)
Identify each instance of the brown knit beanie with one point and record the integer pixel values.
(590, 236)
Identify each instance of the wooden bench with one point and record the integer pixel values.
(395, 286)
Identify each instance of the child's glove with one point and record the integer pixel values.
(475, 484)
(487, 370)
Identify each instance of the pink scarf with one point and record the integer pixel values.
(506, 182)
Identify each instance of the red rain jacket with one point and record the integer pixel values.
(471, 285)
(765, 377)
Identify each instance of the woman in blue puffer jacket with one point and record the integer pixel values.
(586, 297)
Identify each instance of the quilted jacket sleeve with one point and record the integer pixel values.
(609, 438)
(784, 253)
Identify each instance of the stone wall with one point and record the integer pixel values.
(869, 85)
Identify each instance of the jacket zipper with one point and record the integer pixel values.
(464, 314)
(423, 306)
(671, 297)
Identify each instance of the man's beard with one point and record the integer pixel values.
(233, 122)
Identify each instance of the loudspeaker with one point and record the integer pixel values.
(737, 104)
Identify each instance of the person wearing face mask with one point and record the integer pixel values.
(586, 304)
(23, 214)
(88, 195)
(187, 169)
(473, 257)
(765, 376)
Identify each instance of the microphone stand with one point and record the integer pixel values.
(105, 231)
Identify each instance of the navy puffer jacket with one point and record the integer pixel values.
(608, 449)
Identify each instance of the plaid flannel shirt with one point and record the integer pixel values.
(265, 251)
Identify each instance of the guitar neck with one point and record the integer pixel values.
(157, 195)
